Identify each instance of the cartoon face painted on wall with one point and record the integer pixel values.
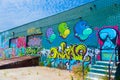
(50, 35)
(108, 37)
(82, 30)
(63, 30)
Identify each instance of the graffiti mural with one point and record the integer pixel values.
(65, 57)
(13, 43)
(33, 31)
(67, 44)
(5, 39)
(34, 41)
(75, 52)
(108, 37)
(2, 54)
(82, 30)
(21, 42)
(63, 30)
(50, 35)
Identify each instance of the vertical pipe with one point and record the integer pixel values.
(83, 69)
(94, 56)
(109, 71)
(115, 59)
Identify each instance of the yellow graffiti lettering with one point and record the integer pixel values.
(81, 49)
(53, 53)
(75, 52)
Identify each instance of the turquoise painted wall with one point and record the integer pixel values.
(71, 39)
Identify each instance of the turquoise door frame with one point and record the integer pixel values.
(106, 55)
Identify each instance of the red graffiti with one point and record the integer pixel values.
(21, 42)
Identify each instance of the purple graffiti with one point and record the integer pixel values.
(49, 32)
